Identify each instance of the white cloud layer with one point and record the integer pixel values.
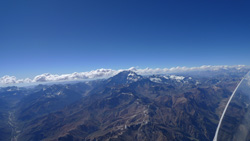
(104, 73)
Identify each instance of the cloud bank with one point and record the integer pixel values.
(105, 73)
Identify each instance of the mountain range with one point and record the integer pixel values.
(127, 106)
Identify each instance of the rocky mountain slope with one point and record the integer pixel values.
(124, 107)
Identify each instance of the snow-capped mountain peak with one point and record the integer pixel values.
(132, 76)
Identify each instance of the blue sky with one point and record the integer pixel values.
(59, 36)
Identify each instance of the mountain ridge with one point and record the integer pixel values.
(126, 106)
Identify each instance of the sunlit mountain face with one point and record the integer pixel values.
(126, 106)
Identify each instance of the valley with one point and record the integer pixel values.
(126, 106)
(14, 127)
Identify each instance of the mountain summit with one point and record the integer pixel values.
(124, 77)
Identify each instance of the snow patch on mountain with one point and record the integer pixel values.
(133, 77)
(177, 77)
(156, 80)
(166, 77)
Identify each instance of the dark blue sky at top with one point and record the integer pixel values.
(59, 36)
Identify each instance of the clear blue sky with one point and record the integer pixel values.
(59, 36)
